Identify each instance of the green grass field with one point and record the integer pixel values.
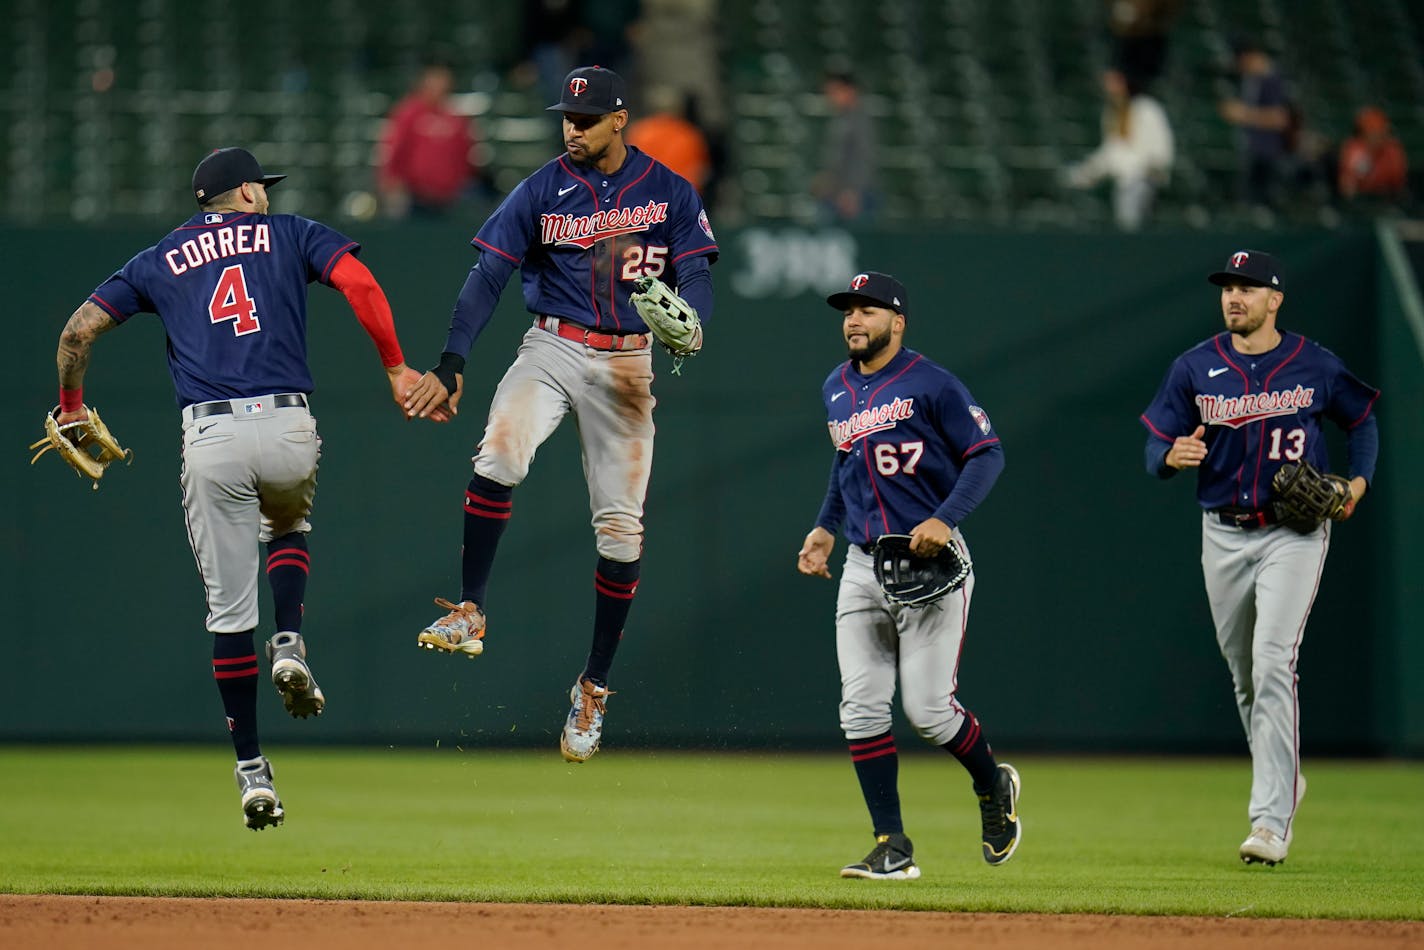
(1120, 836)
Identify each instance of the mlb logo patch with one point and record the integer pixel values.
(252, 408)
(212, 219)
(981, 419)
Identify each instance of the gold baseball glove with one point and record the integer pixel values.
(86, 446)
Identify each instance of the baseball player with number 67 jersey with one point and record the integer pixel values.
(1237, 407)
(914, 455)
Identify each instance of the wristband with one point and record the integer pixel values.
(450, 364)
(71, 400)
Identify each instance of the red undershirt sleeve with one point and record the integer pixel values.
(368, 302)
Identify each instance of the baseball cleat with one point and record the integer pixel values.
(1264, 846)
(999, 815)
(260, 806)
(287, 653)
(462, 630)
(583, 729)
(892, 859)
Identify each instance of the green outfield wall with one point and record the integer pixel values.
(1089, 628)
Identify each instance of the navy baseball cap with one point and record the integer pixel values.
(226, 168)
(1251, 267)
(592, 90)
(876, 287)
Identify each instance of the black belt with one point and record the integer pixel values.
(868, 547)
(1245, 517)
(279, 401)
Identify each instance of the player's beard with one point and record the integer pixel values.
(874, 346)
(1245, 324)
(588, 158)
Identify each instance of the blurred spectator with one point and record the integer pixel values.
(666, 134)
(1136, 152)
(846, 183)
(1263, 112)
(1139, 31)
(426, 159)
(1372, 161)
(677, 45)
(553, 42)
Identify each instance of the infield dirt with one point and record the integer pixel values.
(127, 923)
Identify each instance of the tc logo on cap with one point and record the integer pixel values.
(1239, 259)
(577, 85)
(859, 281)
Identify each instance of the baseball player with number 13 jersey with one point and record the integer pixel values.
(1236, 407)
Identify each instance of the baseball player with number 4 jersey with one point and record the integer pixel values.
(230, 287)
(914, 455)
(1237, 408)
(582, 230)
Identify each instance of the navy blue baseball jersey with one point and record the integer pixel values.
(580, 239)
(902, 435)
(231, 290)
(1260, 411)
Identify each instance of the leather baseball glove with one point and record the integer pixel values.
(1304, 493)
(672, 319)
(912, 580)
(86, 446)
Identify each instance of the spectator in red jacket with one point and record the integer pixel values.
(1372, 161)
(426, 160)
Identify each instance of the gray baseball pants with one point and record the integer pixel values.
(1261, 584)
(610, 395)
(876, 641)
(248, 476)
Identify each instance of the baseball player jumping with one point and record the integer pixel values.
(914, 455)
(230, 286)
(582, 229)
(1238, 407)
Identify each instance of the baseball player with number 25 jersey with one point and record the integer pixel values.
(581, 230)
(914, 455)
(230, 286)
(1236, 407)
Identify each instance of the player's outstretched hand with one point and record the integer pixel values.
(428, 397)
(1188, 450)
(815, 554)
(403, 380)
(929, 537)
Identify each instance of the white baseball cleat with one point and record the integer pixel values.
(1264, 846)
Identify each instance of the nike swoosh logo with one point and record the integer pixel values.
(564, 191)
(1213, 373)
(838, 395)
(202, 429)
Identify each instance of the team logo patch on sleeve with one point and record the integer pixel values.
(981, 419)
(706, 225)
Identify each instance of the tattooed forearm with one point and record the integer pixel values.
(75, 342)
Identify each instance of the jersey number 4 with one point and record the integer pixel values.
(232, 302)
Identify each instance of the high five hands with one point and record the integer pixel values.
(422, 395)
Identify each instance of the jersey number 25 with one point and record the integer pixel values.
(640, 261)
(232, 302)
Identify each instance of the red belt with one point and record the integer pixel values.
(592, 338)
